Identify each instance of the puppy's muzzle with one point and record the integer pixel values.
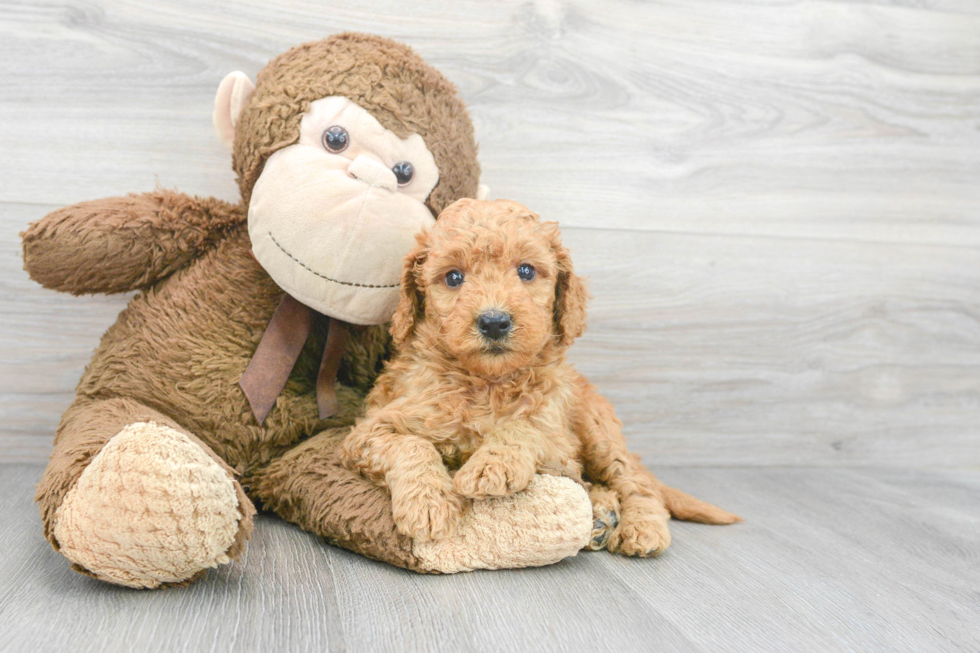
(494, 325)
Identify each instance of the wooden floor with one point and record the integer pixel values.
(778, 207)
(828, 560)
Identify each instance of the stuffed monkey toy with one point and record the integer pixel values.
(231, 378)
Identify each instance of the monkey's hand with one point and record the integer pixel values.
(124, 243)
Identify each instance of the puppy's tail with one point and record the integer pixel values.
(683, 506)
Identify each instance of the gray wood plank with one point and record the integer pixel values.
(724, 350)
(714, 349)
(828, 560)
(847, 120)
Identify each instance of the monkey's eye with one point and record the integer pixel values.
(336, 139)
(403, 172)
(526, 272)
(454, 278)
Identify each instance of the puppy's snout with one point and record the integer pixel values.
(494, 324)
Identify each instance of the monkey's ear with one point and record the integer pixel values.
(570, 295)
(411, 300)
(233, 93)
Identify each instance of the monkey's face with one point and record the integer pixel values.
(331, 217)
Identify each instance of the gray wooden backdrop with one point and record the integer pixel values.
(776, 201)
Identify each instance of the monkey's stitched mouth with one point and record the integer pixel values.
(323, 276)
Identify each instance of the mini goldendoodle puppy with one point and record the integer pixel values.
(489, 305)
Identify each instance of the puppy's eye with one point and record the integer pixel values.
(336, 139)
(526, 272)
(454, 278)
(404, 171)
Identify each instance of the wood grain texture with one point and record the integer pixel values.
(714, 349)
(853, 120)
(776, 202)
(828, 560)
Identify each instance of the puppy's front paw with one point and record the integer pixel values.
(493, 473)
(640, 535)
(427, 508)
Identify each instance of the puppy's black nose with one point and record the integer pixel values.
(493, 324)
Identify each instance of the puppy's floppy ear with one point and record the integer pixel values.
(570, 294)
(411, 301)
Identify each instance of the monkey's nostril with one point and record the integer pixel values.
(494, 324)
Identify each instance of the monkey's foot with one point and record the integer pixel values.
(152, 508)
(549, 521)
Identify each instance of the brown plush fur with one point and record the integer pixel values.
(177, 352)
(353, 513)
(499, 411)
(125, 243)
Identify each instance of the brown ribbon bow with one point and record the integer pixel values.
(278, 352)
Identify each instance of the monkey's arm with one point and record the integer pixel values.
(124, 243)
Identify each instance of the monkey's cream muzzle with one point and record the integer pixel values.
(332, 228)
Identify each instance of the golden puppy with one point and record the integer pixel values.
(489, 305)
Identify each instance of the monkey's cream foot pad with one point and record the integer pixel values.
(151, 508)
(549, 521)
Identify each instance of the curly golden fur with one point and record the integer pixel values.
(497, 405)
